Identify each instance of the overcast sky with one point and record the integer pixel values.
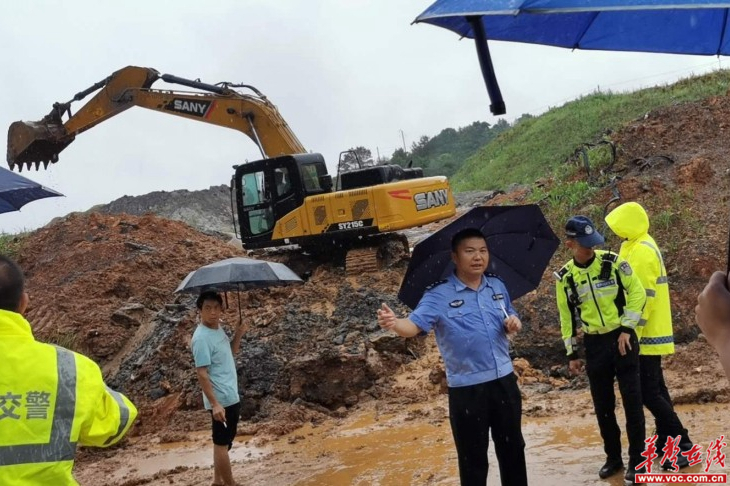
(342, 73)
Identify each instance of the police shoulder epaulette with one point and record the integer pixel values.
(436, 284)
(562, 272)
(493, 275)
(610, 256)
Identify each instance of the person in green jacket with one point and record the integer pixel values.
(598, 294)
(656, 337)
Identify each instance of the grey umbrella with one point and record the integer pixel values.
(16, 191)
(238, 274)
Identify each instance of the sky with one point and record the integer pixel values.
(342, 74)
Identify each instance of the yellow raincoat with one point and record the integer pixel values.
(51, 399)
(630, 222)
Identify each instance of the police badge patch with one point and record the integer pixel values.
(456, 303)
(625, 267)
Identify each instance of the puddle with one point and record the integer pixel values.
(168, 456)
(560, 451)
(413, 447)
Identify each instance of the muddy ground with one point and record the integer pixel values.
(313, 358)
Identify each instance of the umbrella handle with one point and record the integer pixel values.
(485, 62)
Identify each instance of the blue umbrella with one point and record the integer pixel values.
(16, 191)
(520, 243)
(666, 26)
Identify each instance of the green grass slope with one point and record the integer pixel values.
(536, 147)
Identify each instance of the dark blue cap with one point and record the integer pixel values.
(583, 231)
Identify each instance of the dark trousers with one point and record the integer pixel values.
(603, 364)
(656, 398)
(473, 411)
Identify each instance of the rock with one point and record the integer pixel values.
(139, 247)
(125, 320)
(387, 342)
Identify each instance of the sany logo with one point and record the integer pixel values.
(431, 199)
(189, 107)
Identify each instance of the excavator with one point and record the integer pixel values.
(285, 198)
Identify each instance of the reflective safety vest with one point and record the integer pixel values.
(51, 399)
(597, 298)
(630, 222)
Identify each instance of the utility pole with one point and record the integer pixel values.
(403, 137)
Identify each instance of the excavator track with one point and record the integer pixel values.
(381, 251)
(362, 260)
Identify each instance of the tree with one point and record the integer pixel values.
(349, 159)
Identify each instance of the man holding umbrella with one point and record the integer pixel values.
(216, 370)
(599, 293)
(471, 315)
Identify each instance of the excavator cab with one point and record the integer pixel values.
(268, 189)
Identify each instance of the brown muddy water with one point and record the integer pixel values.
(410, 448)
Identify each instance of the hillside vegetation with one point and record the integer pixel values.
(537, 146)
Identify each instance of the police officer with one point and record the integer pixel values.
(598, 294)
(656, 337)
(471, 315)
(51, 399)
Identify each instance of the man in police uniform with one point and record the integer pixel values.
(51, 399)
(656, 337)
(471, 315)
(598, 293)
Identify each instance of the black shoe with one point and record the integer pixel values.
(610, 468)
(631, 474)
(682, 462)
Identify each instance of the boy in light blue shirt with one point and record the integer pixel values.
(216, 369)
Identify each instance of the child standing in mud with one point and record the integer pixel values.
(471, 315)
(216, 370)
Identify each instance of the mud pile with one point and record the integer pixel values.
(103, 285)
(208, 210)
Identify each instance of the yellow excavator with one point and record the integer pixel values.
(285, 198)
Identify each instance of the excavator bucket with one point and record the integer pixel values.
(35, 143)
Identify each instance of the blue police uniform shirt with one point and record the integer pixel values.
(469, 328)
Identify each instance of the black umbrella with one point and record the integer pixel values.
(238, 274)
(16, 191)
(520, 243)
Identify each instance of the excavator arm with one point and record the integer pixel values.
(35, 143)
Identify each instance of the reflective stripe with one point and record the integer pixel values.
(650, 293)
(657, 340)
(59, 447)
(662, 279)
(123, 415)
(633, 316)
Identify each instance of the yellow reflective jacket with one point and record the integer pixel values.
(630, 222)
(597, 303)
(51, 399)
